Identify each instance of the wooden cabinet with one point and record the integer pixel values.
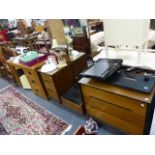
(57, 82)
(60, 80)
(118, 107)
(78, 65)
(81, 43)
(32, 76)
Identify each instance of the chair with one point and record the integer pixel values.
(5, 71)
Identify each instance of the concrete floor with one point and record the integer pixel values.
(72, 117)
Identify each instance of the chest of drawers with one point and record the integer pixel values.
(57, 82)
(121, 108)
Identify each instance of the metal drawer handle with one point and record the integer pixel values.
(33, 81)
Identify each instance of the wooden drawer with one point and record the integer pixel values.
(134, 106)
(72, 105)
(39, 91)
(52, 94)
(48, 82)
(49, 85)
(115, 122)
(34, 81)
(30, 74)
(46, 77)
(124, 114)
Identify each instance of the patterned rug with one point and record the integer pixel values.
(21, 116)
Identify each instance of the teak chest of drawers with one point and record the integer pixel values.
(124, 109)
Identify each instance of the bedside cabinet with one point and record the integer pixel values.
(81, 43)
(57, 82)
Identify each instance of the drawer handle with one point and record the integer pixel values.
(37, 90)
(33, 81)
(111, 104)
(29, 73)
(142, 105)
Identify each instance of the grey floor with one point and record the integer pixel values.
(72, 117)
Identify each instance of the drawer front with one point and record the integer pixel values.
(31, 74)
(116, 111)
(134, 106)
(46, 78)
(35, 83)
(52, 94)
(115, 122)
(48, 81)
(39, 91)
(49, 85)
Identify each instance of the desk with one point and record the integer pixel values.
(31, 74)
(127, 110)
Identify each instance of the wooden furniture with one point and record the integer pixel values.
(96, 34)
(31, 74)
(81, 43)
(72, 99)
(78, 64)
(60, 80)
(127, 110)
(5, 70)
(57, 82)
(22, 27)
(95, 25)
(29, 42)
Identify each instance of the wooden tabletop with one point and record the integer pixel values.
(58, 69)
(19, 65)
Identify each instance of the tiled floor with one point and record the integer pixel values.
(70, 116)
